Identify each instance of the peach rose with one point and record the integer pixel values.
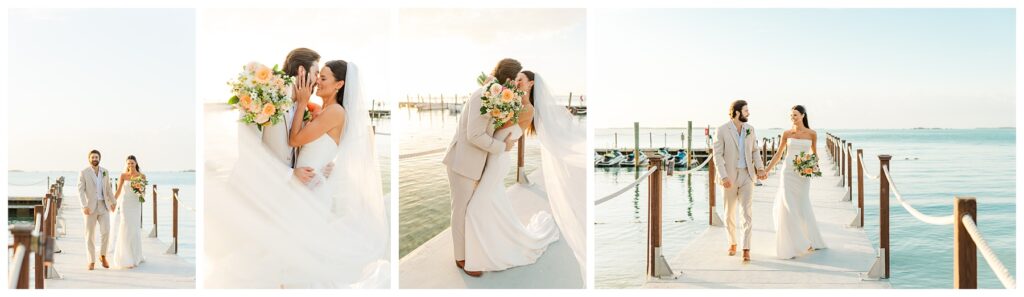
(263, 74)
(506, 96)
(808, 171)
(264, 116)
(244, 101)
(495, 88)
(495, 113)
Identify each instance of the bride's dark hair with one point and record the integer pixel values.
(132, 157)
(339, 68)
(531, 130)
(803, 111)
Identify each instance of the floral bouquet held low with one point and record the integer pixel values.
(806, 165)
(138, 185)
(502, 102)
(260, 94)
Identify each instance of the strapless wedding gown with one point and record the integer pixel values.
(796, 229)
(128, 247)
(495, 237)
(316, 155)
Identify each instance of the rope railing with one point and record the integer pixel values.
(993, 261)
(17, 264)
(26, 185)
(695, 169)
(866, 173)
(626, 188)
(934, 220)
(423, 153)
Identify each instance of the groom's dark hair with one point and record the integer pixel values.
(736, 106)
(300, 57)
(95, 152)
(506, 70)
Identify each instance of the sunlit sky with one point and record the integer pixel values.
(851, 68)
(230, 38)
(118, 80)
(443, 50)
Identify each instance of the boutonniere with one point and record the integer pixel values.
(104, 173)
(748, 131)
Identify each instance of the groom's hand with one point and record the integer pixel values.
(305, 174)
(510, 142)
(727, 182)
(328, 169)
(86, 211)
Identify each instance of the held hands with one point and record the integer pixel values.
(762, 174)
(303, 87)
(305, 174)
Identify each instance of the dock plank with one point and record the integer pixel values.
(704, 263)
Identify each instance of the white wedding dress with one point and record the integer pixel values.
(128, 246)
(265, 229)
(318, 154)
(796, 229)
(495, 237)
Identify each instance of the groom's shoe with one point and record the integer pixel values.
(473, 273)
(103, 260)
(461, 264)
(746, 255)
(92, 266)
(732, 250)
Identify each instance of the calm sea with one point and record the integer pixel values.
(33, 183)
(930, 167)
(424, 201)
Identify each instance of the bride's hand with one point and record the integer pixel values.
(303, 87)
(304, 174)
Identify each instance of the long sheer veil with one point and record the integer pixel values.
(358, 195)
(564, 163)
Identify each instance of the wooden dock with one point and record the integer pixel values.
(159, 271)
(432, 265)
(704, 263)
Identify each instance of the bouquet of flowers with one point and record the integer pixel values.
(806, 165)
(502, 102)
(138, 185)
(260, 94)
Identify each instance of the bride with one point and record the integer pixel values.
(265, 232)
(493, 232)
(128, 247)
(796, 229)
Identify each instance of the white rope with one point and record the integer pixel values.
(423, 153)
(993, 261)
(627, 187)
(25, 185)
(692, 170)
(13, 274)
(943, 220)
(866, 174)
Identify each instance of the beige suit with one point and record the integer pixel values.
(727, 157)
(275, 137)
(465, 159)
(90, 197)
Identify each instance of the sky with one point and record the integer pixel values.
(851, 68)
(443, 50)
(231, 38)
(118, 80)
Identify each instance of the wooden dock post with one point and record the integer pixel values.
(22, 240)
(965, 252)
(153, 233)
(38, 233)
(636, 146)
(860, 187)
(883, 209)
(173, 249)
(689, 145)
(849, 170)
(657, 266)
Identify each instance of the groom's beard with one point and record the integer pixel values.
(742, 119)
(95, 163)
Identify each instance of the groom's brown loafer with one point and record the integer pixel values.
(473, 273)
(92, 266)
(461, 264)
(103, 260)
(732, 250)
(746, 255)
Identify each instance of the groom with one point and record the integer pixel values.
(97, 198)
(275, 137)
(736, 158)
(467, 156)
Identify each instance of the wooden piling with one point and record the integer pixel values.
(965, 252)
(883, 209)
